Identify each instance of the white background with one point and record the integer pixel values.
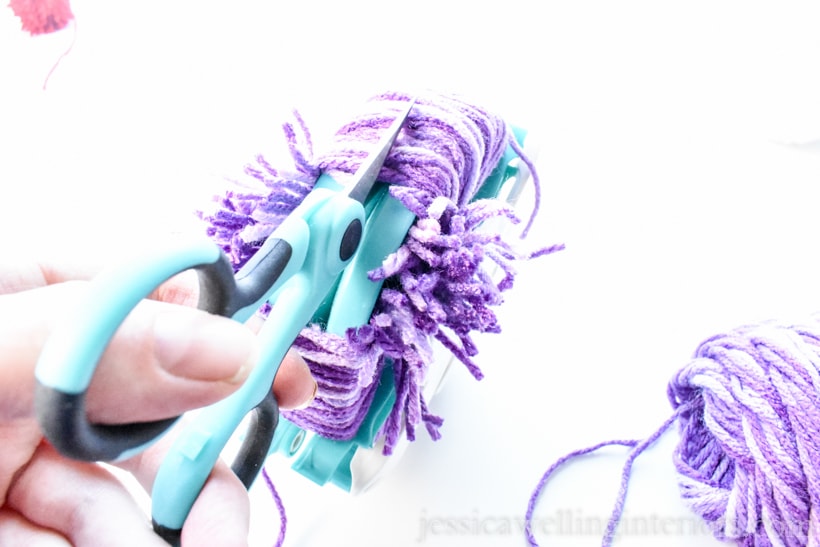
(678, 166)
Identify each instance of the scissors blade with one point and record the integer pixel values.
(368, 172)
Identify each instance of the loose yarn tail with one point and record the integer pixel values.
(748, 460)
(637, 448)
(280, 507)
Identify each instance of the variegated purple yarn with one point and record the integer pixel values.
(437, 285)
(749, 414)
(748, 459)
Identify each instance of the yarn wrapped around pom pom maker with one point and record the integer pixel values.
(357, 463)
(379, 350)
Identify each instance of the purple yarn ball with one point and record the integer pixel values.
(748, 460)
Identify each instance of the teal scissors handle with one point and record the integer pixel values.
(69, 358)
(331, 232)
(296, 269)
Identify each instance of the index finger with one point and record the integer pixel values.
(29, 272)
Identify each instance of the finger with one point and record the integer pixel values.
(181, 289)
(16, 530)
(208, 357)
(20, 441)
(294, 385)
(255, 323)
(164, 360)
(56, 264)
(26, 274)
(81, 501)
(220, 514)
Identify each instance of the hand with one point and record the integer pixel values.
(166, 359)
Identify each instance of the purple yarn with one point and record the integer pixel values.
(436, 285)
(751, 463)
(748, 461)
(283, 519)
(637, 447)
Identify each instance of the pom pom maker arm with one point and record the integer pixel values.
(297, 267)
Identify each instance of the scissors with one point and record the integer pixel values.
(296, 269)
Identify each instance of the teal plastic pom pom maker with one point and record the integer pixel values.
(299, 263)
(354, 465)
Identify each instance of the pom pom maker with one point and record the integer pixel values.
(356, 464)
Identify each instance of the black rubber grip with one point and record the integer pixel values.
(63, 420)
(223, 294)
(254, 450)
(63, 415)
(172, 536)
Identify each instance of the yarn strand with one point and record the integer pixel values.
(536, 185)
(280, 507)
(637, 448)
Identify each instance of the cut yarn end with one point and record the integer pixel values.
(748, 460)
(437, 285)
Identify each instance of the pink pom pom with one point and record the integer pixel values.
(42, 16)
